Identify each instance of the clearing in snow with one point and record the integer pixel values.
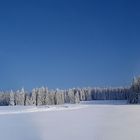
(95, 120)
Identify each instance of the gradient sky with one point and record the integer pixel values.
(64, 44)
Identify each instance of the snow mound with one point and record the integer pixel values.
(26, 109)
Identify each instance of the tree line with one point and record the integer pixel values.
(44, 96)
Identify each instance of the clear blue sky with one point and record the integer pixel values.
(62, 44)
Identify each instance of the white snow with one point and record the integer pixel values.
(95, 120)
(31, 109)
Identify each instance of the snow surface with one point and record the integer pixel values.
(95, 120)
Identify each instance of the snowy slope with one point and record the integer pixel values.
(92, 121)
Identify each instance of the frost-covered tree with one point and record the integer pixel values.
(134, 96)
(12, 98)
(4, 99)
(20, 97)
(59, 97)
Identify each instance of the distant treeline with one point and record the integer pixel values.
(44, 96)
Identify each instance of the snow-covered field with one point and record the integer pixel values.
(104, 120)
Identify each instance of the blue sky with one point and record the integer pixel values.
(64, 44)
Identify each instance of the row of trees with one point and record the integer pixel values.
(44, 96)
